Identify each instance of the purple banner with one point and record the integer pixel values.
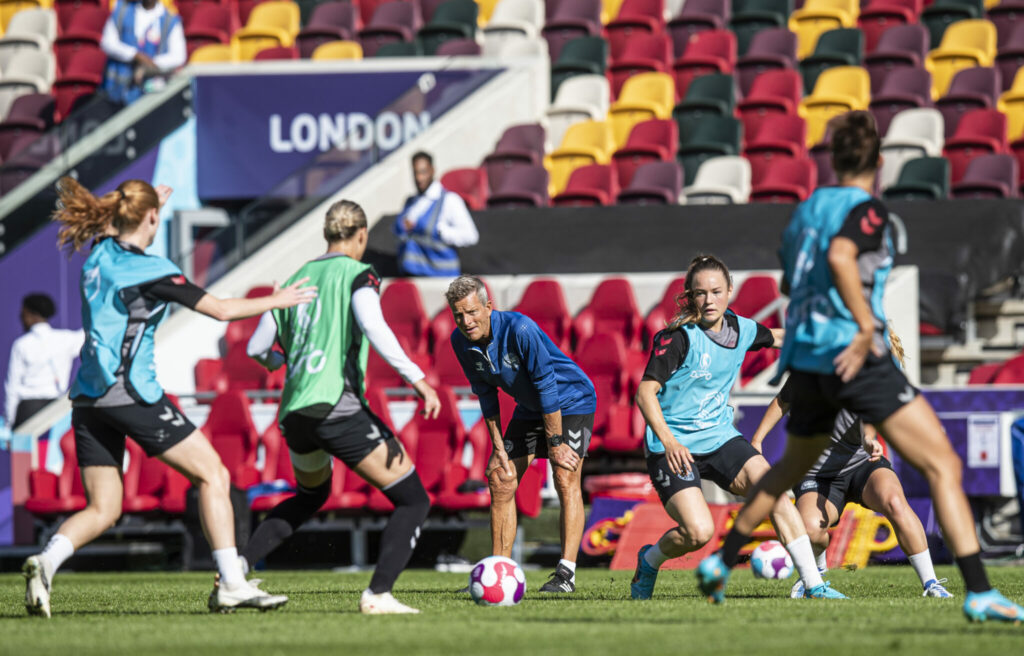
(253, 131)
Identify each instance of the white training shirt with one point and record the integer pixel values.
(40, 365)
(454, 224)
(147, 26)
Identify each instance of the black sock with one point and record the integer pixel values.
(285, 519)
(730, 551)
(975, 578)
(403, 530)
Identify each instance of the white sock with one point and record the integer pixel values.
(654, 557)
(922, 563)
(822, 560)
(570, 565)
(803, 558)
(57, 550)
(229, 566)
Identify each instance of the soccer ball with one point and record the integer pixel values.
(497, 581)
(770, 560)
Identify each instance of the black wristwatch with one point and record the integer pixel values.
(554, 440)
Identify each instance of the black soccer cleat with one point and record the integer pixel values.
(560, 581)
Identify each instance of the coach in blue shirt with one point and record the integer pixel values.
(554, 415)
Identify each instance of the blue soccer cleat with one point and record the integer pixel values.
(935, 589)
(712, 575)
(645, 577)
(824, 591)
(990, 605)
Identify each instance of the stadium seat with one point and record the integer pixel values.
(903, 46)
(400, 49)
(818, 16)
(470, 184)
(603, 358)
(751, 17)
(331, 21)
(644, 97)
(586, 142)
(924, 178)
(240, 331)
(612, 309)
(271, 24)
(66, 9)
(774, 92)
(758, 298)
(515, 45)
(634, 17)
(392, 22)
(698, 16)
(454, 19)
(989, 176)
(403, 311)
(1007, 16)
(579, 98)
(27, 71)
(707, 137)
(522, 186)
(654, 183)
(214, 53)
(80, 78)
(610, 10)
(514, 21)
(720, 180)
(447, 368)
(649, 141)
(984, 373)
(187, 9)
(880, 16)
(572, 19)
(586, 55)
(277, 52)
(458, 48)
(1011, 103)
(965, 44)
(713, 51)
(209, 375)
(709, 95)
(1010, 56)
(349, 492)
(644, 53)
(33, 29)
(590, 185)
(487, 8)
(771, 49)
(913, 133)
(242, 372)
(1011, 373)
(31, 113)
(786, 180)
(83, 31)
(940, 14)
(903, 89)
(839, 47)
(778, 135)
(519, 144)
(230, 430)
(335, 50)
(980, 132)
(661, 314)
(142, 481)
(838, 90)
(544, 302)
(971, 88)
(277, 467)
(210, 23)
(53, 494)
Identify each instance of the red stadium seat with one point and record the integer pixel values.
(612, 309)
(51, 494)
(66, 10)
(404, 312)
(778, 136)
(84, 29)
(983, 374)
(544, 302)
(233, 435)
(80, 77)
(773, 92)
(1011, 373)
(242, 372)
(643, 53)
(278, 466)
(754, 295)
(649, 141)
(603, 358)
(470, 184)
(241, 331)
(446, 366)
(880, 15)
(277, 53)
(209, 22)
(589, 186)
(661, 314)
(143, 481)
(635, 17)
(348, 490)
(209, 376)
(713, 51)
(980, 132)
(787, 180)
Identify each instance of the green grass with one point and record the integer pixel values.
(164, 613)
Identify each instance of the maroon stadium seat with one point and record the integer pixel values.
(903, 88)
(988, 176)
(209, 23)
(902, 46)
(519, 145)
(571, 20)
(635, 17)
(972, 88)
(521, 186)
(770, 49)
(391, 22)
(330, 21)
(653, 183)
(980, 132)
(544, 301)
(778, 136)
(84, 29)
(277, 52)
(649, 141)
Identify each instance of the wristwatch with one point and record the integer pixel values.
(555, 440)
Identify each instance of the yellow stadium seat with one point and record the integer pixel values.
(586, 142)
(819, 16)
(838, 90)
(1011, 103)
(270, 25)
(338, 50)
(965, 44)
(991, 3)
(610, 10)
(10, 7)
(644, 96)
(484, 10)
(212, 53)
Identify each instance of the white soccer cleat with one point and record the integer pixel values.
(226, 599)
(383, 604)
(37, 587)
(798, 589)
(935, 589)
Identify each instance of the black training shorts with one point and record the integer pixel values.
(100, 431)
(349, 439)
(845, 488)
(526, 437)
(721, 467)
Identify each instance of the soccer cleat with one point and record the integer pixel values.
(37, 587)
(824, 591)
(797, 591)
(642, 586)
(990, 605)
(712, 575)
(226, 599)
(383, 604)
(935, 589)
(560, 581)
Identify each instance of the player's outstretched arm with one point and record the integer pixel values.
(679, 458)
(232, 309)
(776, 409)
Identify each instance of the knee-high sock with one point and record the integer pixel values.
(285, 519)
(403, 530)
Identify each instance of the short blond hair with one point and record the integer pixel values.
(344, 219)
(463, 286)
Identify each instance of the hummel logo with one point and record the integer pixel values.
(665, 341)
(661, 479)
(173, 417)
(374, 432)
(907, 396)
(577, 442)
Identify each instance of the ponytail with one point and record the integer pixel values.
(84, 217)
(687, 311)
(897, 348)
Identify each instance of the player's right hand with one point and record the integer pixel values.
(431, 403)
(294, 294)
(499, 461)
(680, 460)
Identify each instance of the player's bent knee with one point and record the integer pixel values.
(502, 489)
(697, 535)
(408, 493)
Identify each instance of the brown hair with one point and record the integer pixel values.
(687, 311)
(344, 219)
(84, 217)
(855, 143)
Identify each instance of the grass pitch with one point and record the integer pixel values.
(158, 613)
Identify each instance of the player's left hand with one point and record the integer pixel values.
(849, 362)
(871, 444)
(163, 194)
(563, 456)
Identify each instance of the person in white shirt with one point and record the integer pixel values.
(40, 364)
(432, 225)
(141, 40)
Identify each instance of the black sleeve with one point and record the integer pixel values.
(174, 289)
(368, 278)
(865, 225)
(763, 339)
(667, 355)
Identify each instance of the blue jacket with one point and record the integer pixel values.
(523, 361)
(119, 82)
(421, 252)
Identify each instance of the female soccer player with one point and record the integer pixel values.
(853, 469)
(323, 411)
(124, 296)
(684, 398)
(836, 255)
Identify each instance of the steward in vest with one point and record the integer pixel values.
(141, 39)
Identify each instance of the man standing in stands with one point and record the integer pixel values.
(41, 359)
(142, 40)
(432, 225)
(554, 415)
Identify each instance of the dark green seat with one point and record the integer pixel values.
(400, 49)
(842, 47)
(925, 178)
(704, 137)
(455, 19)
(943, 13)
(587, 54)
(707, 95)
(751, 16)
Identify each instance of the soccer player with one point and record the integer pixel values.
(853, 469)
(323, 411)
(684, 398)
(554, 415)
(124, 297)
(836, 255)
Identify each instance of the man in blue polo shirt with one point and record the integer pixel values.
(554, 415)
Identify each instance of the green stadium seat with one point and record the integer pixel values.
(924, 178)
(587, 54)
(842, 47)
(751, 16)
(706, 137)
(455, 19)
